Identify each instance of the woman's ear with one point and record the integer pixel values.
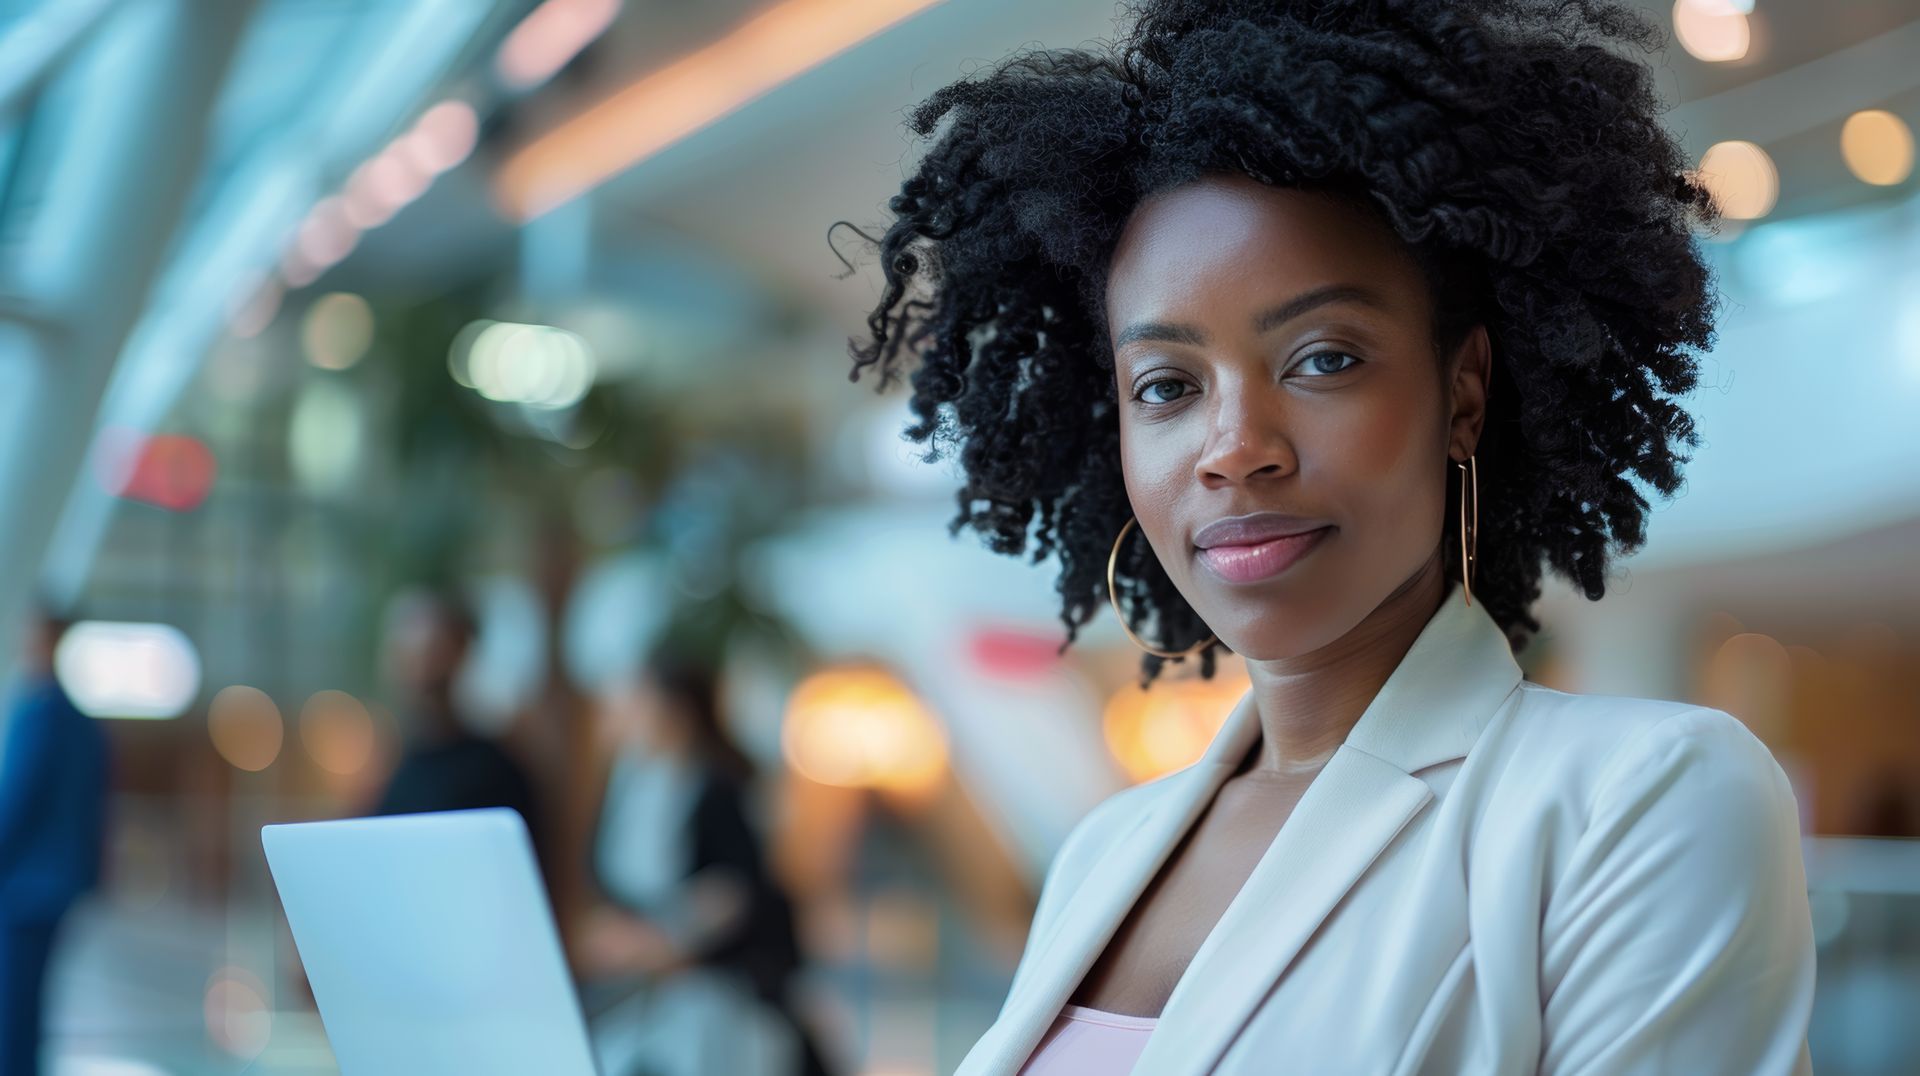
(1470, 371)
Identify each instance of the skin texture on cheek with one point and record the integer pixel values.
(1387, 463)
(1234, 422)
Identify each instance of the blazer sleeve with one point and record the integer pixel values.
(1678, 940)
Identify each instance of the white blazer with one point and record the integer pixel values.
(1489, 876)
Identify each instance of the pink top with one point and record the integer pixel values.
(1084, 1040)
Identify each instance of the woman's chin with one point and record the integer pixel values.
(1262, 643)
(1284, 631)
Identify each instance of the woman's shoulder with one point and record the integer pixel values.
(1607, 755)
(1601, 712)
(1610, 810)
(1595, 732)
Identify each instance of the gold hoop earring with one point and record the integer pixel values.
(1113, 598)
(1469, 538)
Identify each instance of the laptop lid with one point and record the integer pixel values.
(430, 945)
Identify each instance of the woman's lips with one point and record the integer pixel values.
(1262, 560)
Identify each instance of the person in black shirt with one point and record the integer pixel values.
(684, 873)
(445, 765)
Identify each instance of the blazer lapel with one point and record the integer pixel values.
(1353, 809)
(1456, 675)
(1100, 903)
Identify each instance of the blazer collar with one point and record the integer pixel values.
(1431, 709)
(1433, 705)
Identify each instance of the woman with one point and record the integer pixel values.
(1310, 331)
(693, 906)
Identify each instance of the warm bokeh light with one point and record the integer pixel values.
(327, 235)
(438, 141)
(239, 1020)
(1878, 147)
(245, 727)
(1159, 730)
(666, 105)
(442, 137)
(337, 330)
(382, 187)
(551, 35)
(130, 670)
(1750, 676)
(860, 727)
(337, 732)
(1712, 30)
(1741, 178)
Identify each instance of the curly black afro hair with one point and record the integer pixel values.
(1513, 145)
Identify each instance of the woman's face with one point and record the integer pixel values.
(1274, 360)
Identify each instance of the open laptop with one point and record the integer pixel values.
(430, 945)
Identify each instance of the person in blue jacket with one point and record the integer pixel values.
(53, 799)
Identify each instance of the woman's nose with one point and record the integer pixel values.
(1247, 440)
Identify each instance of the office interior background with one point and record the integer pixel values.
(307, 304)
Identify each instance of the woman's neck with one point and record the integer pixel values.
(1308, 704)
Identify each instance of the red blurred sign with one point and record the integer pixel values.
(1009, 653)
(165, 470)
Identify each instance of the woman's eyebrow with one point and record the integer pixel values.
(1267, 321)
(1318, 297)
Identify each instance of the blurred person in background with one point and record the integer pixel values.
(691, 906)
(1315, 332)
(445, 765)
(53, 808)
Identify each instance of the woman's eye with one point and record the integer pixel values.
(1171, 391)
(1322, 363)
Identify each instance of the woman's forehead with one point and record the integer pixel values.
(1220, 239)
